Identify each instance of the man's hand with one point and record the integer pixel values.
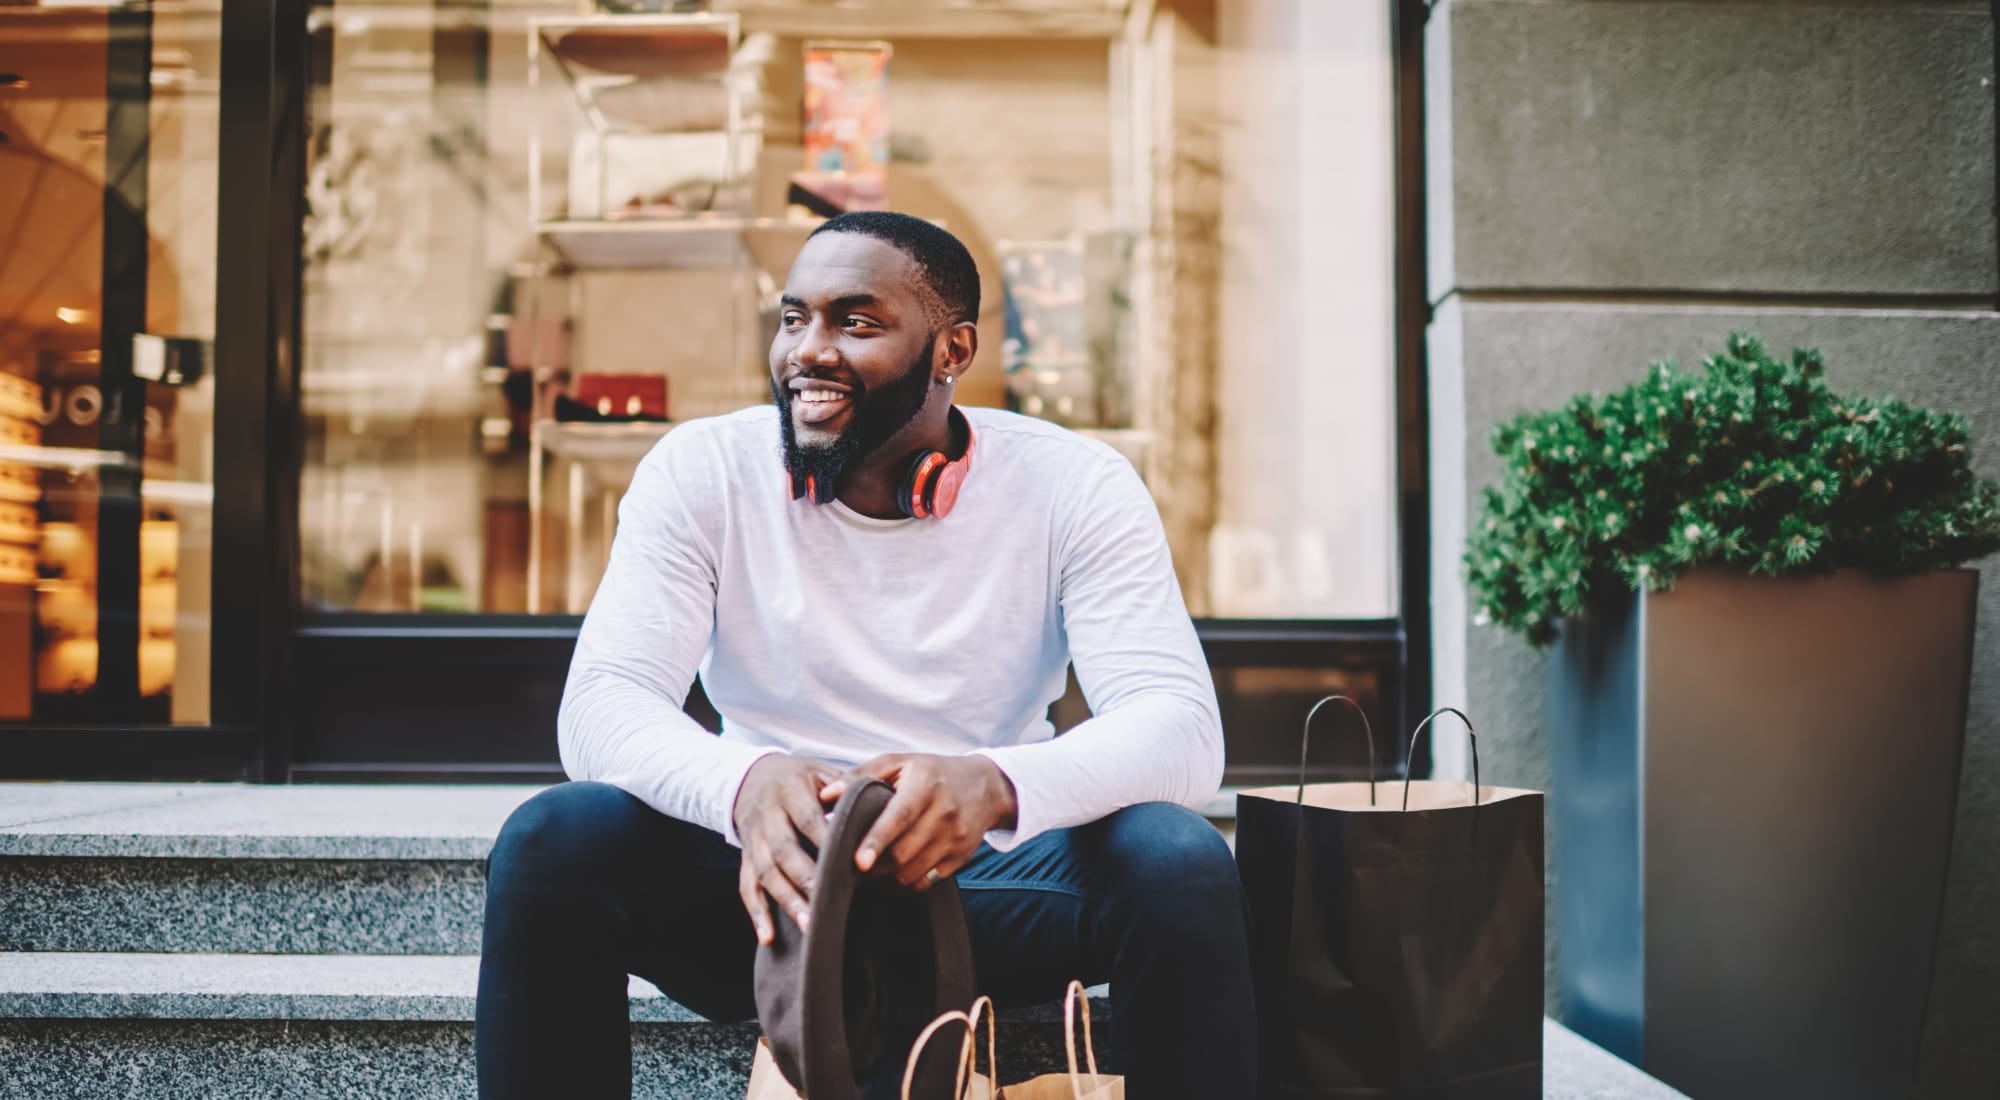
(943, 806)
(780, 801)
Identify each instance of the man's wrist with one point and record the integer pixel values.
(729, 831)
(1008, 800)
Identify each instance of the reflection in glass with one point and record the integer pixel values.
(540, 235)
(108, 143)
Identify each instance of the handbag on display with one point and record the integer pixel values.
(615, 397)
(1396, 945)
(842, 1005)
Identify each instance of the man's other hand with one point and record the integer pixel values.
(943, 807)
(780, 802)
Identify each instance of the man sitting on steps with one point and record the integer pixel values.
(874, 582)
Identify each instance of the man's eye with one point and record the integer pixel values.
(793, 320)
(859, 322)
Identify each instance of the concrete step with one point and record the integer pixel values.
(247, 869)
(233, 868)
(229, 941)
(230, 1026)
(233, 1027)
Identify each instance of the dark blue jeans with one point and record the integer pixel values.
(587, 884)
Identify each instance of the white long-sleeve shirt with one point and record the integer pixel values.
(825, 633)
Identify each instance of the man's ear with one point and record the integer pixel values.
(960, 344)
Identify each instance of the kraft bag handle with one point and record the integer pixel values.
(964, 1051)
(1077, 995)
(984, 1005)
(1305, 736)
(1470, 735)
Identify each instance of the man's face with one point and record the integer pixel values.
(851, 363)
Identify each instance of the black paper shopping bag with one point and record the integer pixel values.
(1396, 941)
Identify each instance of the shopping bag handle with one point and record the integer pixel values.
(965, 1050)
(1077, 996)
(982, 1006)
(1305, 736)
(1412, 754)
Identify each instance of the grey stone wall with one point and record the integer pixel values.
(1618, 181)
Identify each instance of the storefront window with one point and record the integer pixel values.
(540, 235)
(108, 143)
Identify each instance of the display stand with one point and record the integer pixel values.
(710, 252)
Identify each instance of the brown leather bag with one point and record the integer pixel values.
(843, 1004)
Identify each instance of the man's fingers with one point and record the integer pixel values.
(930, 831)
(803, 809)
(798, 870)
(753, 901)
(905, 809)
(916, 873)
(773, 881)
(884, 768)
(926, 847)
(780, 869)
(955, 862)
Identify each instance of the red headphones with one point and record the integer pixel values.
(929, 490)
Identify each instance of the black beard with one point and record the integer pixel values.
(878, 415)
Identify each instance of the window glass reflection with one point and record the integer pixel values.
(108, 143)
(540, 235)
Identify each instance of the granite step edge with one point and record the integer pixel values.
(373, 848)
(105, 985)
(244, 821)
(296, 822)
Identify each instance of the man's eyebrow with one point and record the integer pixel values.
(857, 300)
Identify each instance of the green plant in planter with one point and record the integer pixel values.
(1753, 463)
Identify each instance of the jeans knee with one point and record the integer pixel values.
(1173, 869)
(560, 832)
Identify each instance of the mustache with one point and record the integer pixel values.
(784, 394)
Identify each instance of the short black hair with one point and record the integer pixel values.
(949, 280)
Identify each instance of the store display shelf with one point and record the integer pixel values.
(697, 241)
(65, 458)
(608, 453)
(613, 45)
(982, 19)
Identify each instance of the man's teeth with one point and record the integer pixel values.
(818, 396)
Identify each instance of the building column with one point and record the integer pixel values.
(1612, 184)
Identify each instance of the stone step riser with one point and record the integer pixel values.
(365, 1060)
(249, 906)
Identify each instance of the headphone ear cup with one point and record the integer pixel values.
(917, 484)
(943, 494)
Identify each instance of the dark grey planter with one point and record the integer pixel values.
(1753, 790)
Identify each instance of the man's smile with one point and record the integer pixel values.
(817, 401)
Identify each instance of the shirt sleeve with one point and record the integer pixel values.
(1156, 731)
(641, 644)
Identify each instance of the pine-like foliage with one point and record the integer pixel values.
(1753, 463)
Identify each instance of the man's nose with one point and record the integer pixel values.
(816, 346)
